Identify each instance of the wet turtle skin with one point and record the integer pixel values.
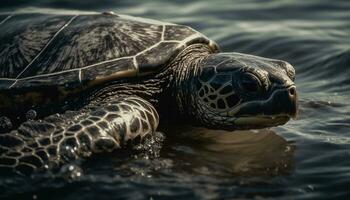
(76, 84)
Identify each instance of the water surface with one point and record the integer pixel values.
(308, 158)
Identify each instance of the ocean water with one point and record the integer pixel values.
(308, 158)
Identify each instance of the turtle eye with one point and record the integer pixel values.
(250, 83)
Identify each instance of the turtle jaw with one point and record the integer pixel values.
(278, 109)
(247, 122)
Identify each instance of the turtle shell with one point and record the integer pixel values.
(47, 59)
(41, 49)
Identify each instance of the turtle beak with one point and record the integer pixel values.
(282, 102)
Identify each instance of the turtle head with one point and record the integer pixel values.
(240, 91)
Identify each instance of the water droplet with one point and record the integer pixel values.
(5, 123)
(71, 171)
(310, 187)
(31, 114)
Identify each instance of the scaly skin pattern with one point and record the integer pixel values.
(239, 91)
(189, 88)
(116, 90)
(118, 113)
(61, 138)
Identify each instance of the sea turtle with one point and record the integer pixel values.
(76, 84)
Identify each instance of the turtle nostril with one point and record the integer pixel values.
(292, 91)
(293, 98)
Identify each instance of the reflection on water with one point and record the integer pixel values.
(239, 153)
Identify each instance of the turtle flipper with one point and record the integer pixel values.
(58, 139)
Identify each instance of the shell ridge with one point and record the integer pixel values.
(6, 18)
(181, 43)
(48, 43)
(163, 32)
(95, 64)
(137, 62)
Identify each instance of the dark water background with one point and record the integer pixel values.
(308, 158)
